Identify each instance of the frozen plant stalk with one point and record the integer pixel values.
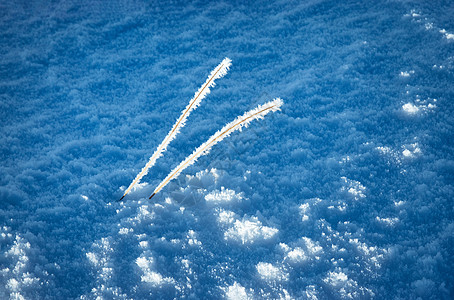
(237, 124)
(204, 90)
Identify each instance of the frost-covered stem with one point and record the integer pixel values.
(237, 124)
(204, 90)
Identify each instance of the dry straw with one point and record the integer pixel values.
(218, 72)
(237, 124)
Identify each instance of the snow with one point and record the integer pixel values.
(224, 195)
(354, 188)
(236, 292)
(296, 255)
(448, 36)
(347, 193)
(410, 108)
(406, 73)
(249, 230)
(150, 276)
(269, 272)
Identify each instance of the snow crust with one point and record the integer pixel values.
(347, 193)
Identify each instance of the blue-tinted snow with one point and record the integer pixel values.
(346, 193)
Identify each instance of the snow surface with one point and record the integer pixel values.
(345, 194)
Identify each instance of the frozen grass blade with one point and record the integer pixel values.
(237, 124)
(218, 72)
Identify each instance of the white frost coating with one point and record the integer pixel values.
(269, 272)
(237, 124)
(92, 258)
(353, 187)
(345, 287)
(296, 255)
(311, 293)
(429, 26)
(218, 72)
(101, 259)
(236, 292)
(406, 73)
(143, 244)
(448, 36)
(312, 248)
(304, 208)
(410, 108)
(387, 221)
(407, 153)
(125, 230)
(19, 278)
(307, 251)
(384, 150)
(226, 217)
(249, 231)
(411, 151)
(224, 195)
(336, 278)
(192, 239)
(150, 276)
(414, 14)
